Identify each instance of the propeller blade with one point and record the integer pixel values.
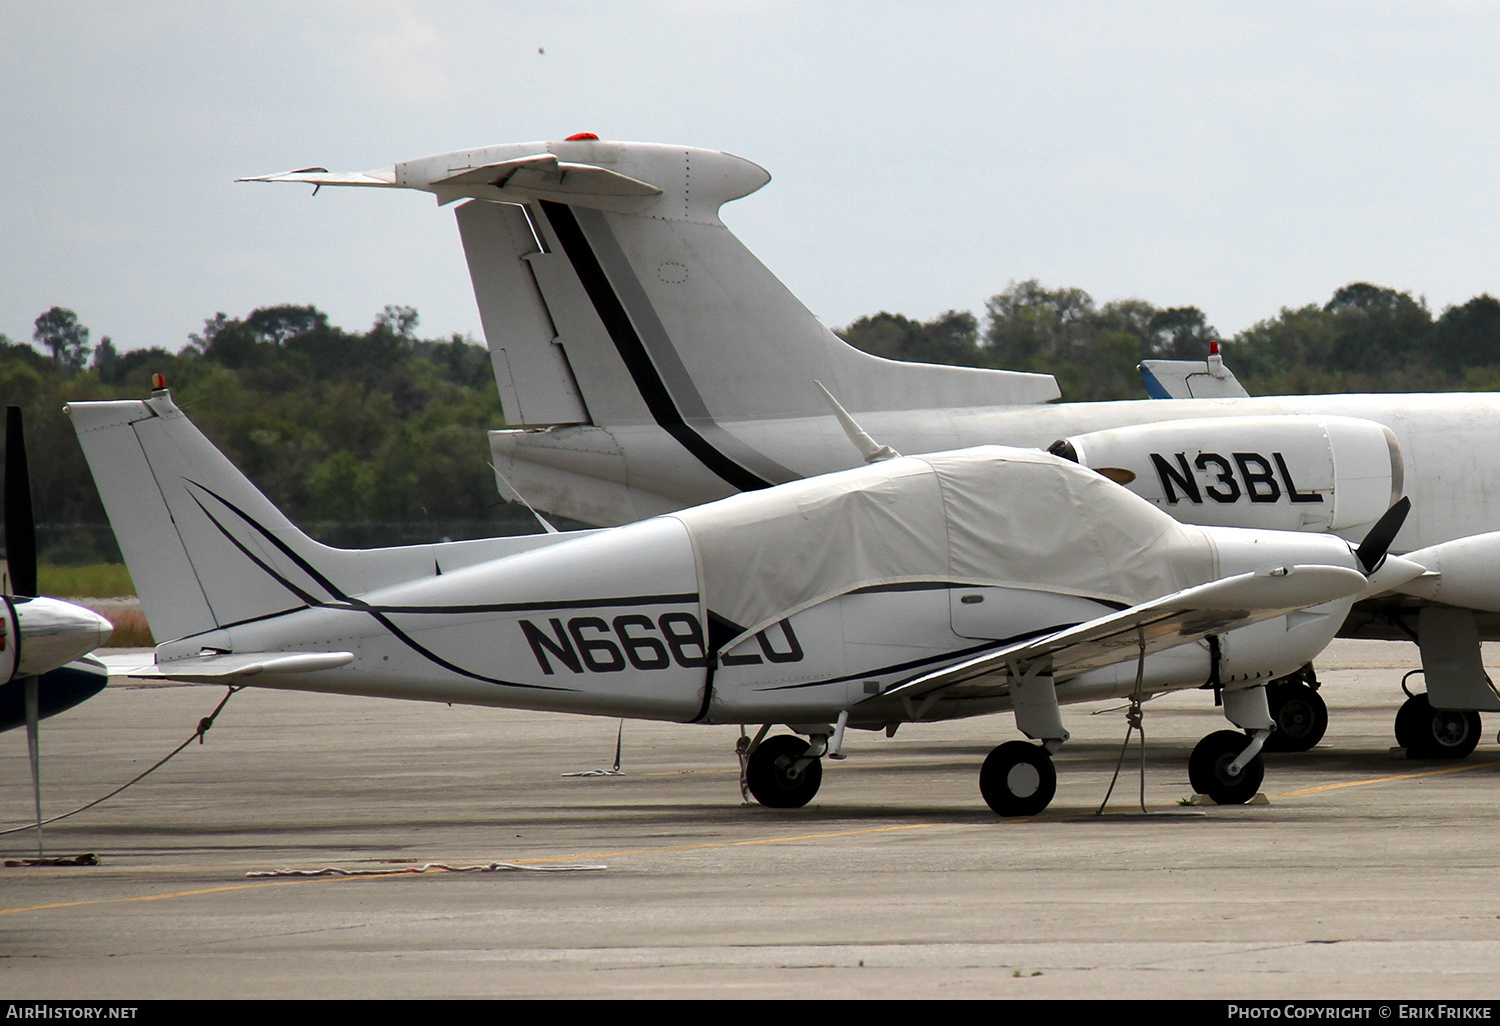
(20, 525)
(1373, 549)
(33, 748)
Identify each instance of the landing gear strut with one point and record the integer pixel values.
(1210, 769)
(1300, 714)
(780, 773)
(1018, 779)
(1428, 733)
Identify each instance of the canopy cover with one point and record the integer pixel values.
(990, 515)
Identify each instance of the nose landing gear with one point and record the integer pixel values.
(1212, 771)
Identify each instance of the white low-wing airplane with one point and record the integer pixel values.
(648, 361)
(916, 588)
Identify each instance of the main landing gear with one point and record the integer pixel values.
(1428, 733)
(1300, 714)
(1018, 779)
(782, 773)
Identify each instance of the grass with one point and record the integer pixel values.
(131, 629)
(98, 580)
(93, 586)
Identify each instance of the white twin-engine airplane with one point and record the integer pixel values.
(913, 589)
(647, 361)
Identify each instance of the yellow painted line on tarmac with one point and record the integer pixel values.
(173, 894)
(709, 845)
(519, 862)
(733, 844)
(1386, 780)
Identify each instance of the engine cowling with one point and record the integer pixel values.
(1274, 473)
(41, 634)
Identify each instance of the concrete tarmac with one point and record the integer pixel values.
(1366, 875)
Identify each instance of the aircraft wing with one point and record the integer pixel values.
(224, 669)
(1177, 619)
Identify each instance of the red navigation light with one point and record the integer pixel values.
(158, 382)
(581, 137)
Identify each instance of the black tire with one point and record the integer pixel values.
(1408, 725)
(772, 778)
(1208, 769)
(1018, 779)
(1428, 733)
(1301, 717)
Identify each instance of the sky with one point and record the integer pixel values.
(1235, 156)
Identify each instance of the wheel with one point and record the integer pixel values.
(1208, 769)
(773, 778)
(1300, 714)
(1018, 779)
(1428, 733)
(1408, 725)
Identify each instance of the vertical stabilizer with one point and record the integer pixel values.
(205, 548)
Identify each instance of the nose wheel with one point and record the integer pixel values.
(1209, 769)
(780, 774)
(1018, 779)
(1428, 733)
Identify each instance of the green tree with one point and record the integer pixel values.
(1180, 333)
(105, 358)
(1377, 329)
(1469, 335)
(279, 324)
(1030, 325)
(60, 332)
(950, 338)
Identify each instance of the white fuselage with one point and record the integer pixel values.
(612, 623)
(1447, 443)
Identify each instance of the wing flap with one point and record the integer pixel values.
(1177, 619)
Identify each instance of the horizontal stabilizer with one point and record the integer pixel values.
(1177, 619)
(218, 669)
(540, 175)
(380, 178)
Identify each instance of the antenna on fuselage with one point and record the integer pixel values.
(547, 527)
(871, 450)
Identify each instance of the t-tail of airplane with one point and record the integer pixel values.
(625, 319)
